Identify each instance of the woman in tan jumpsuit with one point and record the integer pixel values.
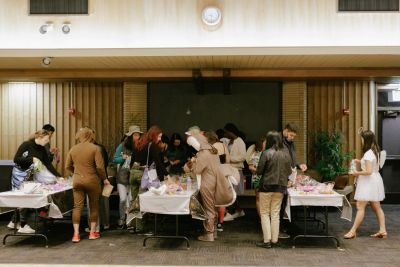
(85, 161)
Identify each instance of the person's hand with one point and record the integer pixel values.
(106, 182)
(54, 150)
(290, 183)
(189, 164)
(35, 160)
(124, 156)
(303, 167)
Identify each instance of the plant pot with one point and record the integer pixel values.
(341, 181)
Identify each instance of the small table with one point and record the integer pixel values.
(60, 202)
(297, 198)
(176, 204)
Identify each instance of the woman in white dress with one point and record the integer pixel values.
(369, 186)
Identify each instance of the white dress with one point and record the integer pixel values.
(370, 187)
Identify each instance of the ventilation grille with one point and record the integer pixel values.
(368, 5)
(43, 7)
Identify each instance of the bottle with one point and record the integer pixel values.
(189, 184)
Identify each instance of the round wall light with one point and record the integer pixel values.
(45, 28)
(211, 15)
(46, 61)
(66, 28)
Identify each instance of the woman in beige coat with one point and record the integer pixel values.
(214, 185)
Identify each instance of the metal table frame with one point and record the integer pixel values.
(176, 236)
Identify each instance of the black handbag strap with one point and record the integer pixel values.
(148, 152)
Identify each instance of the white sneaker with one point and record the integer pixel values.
(238, 214)
(26, 230)
(11, 225)
(228, 217)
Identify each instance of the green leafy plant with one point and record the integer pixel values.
(331, 160)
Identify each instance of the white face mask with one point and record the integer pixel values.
(193, 142)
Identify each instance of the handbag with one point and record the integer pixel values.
(124, 172)
(18, 176)
(149, 177)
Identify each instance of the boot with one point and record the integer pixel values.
(208, 237)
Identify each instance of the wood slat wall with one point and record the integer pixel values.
(294, 109)
(135, 105)
(326, 101)
(25, 107)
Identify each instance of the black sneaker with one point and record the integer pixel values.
(276, 245)
(219, 227)
(263, 245)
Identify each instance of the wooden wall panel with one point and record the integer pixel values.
(326, 101)
(135, 105)
(294, 109)
(25, 107)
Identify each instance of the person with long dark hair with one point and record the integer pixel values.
(274, 168)
(176, 154)
(369, 186)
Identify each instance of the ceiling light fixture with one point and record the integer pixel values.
(46, 61)
(66, 27)
(48, 27)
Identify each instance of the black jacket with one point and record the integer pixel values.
(292, 151)
(274, 166)
(29, 150)
(140, 156)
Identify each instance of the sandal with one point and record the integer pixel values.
(350, 235)
(379, 235)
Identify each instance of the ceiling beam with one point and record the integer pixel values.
(134, 74)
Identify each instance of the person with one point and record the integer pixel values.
(53, 153)
(274, 167)
(224, 157)
(370, 187)
(28, 153)
(86, 163)
(253, 155)
(163, 144)
(123, 154)
(176, 154)
(289, 133)
(146, 151)
(205, 163)
(237, 152)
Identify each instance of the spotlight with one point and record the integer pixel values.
(66, 28)
(46, 61)
(46, 28)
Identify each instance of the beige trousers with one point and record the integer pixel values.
(270, 206)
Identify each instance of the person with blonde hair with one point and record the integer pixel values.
(85, 162)
(28, 153)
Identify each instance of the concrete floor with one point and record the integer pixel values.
(234, 246)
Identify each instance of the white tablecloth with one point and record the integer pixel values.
(297, 198)
(17, 199)
(177, 204)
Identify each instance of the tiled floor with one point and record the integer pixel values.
(234, 246)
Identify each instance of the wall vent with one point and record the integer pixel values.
(54, 7)
(368, 5)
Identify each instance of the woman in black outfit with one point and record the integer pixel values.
(30, 152)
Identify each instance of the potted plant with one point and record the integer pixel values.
(331, 161)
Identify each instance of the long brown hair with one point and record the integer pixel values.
(370, 143)
(150, 136)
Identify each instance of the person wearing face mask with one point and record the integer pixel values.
(176, 154)
(206, 163)
(28, 153)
